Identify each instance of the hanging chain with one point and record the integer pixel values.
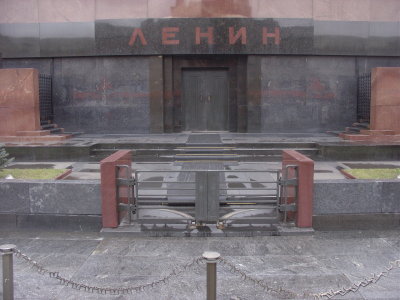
(356, 286)
(279, 292)
(106, 290)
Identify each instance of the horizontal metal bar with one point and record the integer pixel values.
(249, 189)
(157, 206)
(167, 189)
(270, 220)
(210, 170)
(169, 195)
(142, 182)
(239, 181)
(247, 195)
(248, 206)
(248, 201)
(163, 221)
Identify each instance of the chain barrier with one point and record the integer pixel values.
(278, 292)
(356, 286)
(106, 290)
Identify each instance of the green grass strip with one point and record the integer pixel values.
(31, 173)
(374, 173)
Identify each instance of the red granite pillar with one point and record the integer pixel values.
(303, 216)
(109, 201)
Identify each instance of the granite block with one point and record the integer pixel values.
(19, 101)
(53, 222)
(119, 86)
(390, 197)
(347, 197)
(65, 197)
(385, 117)
(14, 197)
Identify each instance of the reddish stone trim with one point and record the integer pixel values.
(304, 213)
(64, 174)
(109, 201)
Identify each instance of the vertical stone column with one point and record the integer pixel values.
(109, 201)
(305, 187)
(385, 99)
(19, 101)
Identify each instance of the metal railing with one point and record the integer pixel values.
(198, 197)
(364, 97)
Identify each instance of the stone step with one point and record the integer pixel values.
(171, 155)
(363, 125)
(352, 130)
(49, 126)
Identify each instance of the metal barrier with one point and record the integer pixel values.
(199, 197)
(45, 98)
(210, 258)
(364, 97)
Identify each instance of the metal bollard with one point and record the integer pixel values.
(8, 273)
(211, 258)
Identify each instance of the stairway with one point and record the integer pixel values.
(205, 147)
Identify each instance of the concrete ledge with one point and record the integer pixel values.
(72, 197)
(356, 221)
(356, 197)
(49, 222)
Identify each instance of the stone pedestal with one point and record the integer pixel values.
(19, 107)
(385, 99)
(19, 101)
(305, 186)
(385, 108)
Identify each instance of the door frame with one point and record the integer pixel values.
(174, 113)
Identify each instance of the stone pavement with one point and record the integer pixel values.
(324, 261)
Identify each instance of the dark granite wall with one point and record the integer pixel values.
(124, 94)
(43, 65)
(307, 93)
(104, 94)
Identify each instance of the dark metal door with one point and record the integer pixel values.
(205, 96)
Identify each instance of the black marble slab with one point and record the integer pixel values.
(19, 40)
(183, 36)
(204, 36)
(67, 39)
(383, 39)
(346, 38)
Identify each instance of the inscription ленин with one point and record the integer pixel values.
(170, 36)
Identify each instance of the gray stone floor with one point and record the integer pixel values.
(324, 261)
